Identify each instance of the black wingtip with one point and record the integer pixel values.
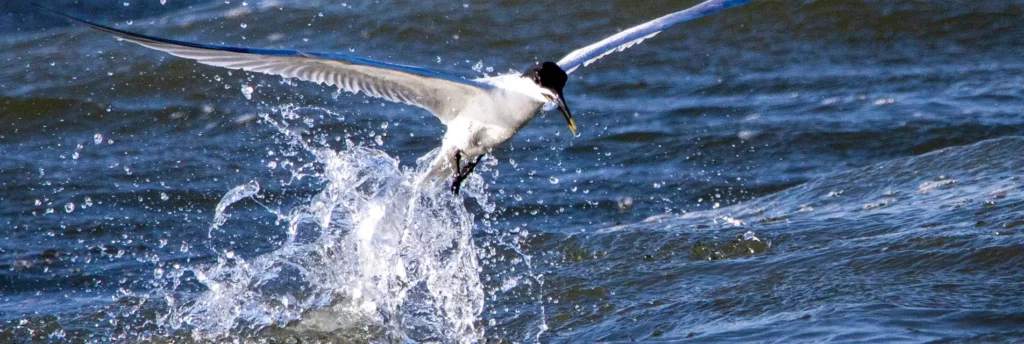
(103, 28)
(53, 11)
(68, 16)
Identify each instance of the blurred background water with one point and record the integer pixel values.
(844, 170)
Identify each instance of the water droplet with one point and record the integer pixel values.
(625, 204)
(234, 195)
(247, 91)
(39, 202)
(478, 67)
(69, 207)
(163, 2)
(554, 180)
(163, 196)
(98, 138)
(74, 155)
(243, 25)
(127, 170)
(384, 125)
(88, 201)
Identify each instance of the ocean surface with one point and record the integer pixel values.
(786, 171)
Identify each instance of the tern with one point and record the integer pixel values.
(479, 113)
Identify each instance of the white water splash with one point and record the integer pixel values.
(369, 256)
(234, 195)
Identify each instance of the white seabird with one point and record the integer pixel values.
(479, 113)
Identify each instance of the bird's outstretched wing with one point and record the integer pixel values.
(443, 95)
(621, 41)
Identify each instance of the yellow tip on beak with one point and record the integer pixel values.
(564, 108)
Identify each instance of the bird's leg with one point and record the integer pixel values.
(457, 183)
(462, 173)
(458, 162)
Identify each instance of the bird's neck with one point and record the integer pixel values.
(518, 84)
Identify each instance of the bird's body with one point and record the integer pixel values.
(488, 120)
(495, 116)
(480, 114)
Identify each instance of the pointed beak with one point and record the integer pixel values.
(564, 108)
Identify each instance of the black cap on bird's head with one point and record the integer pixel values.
(550, 76)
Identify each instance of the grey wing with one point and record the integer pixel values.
(621, 41)
(442, 95)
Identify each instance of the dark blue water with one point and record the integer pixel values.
(793, 171)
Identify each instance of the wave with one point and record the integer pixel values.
(932, 233)
(934, 186)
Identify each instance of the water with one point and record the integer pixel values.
(784, 171)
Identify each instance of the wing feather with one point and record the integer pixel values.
(443, 95)
(623, 40)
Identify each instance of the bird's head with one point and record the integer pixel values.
(551, 79)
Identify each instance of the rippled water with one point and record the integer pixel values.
(784, 171)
